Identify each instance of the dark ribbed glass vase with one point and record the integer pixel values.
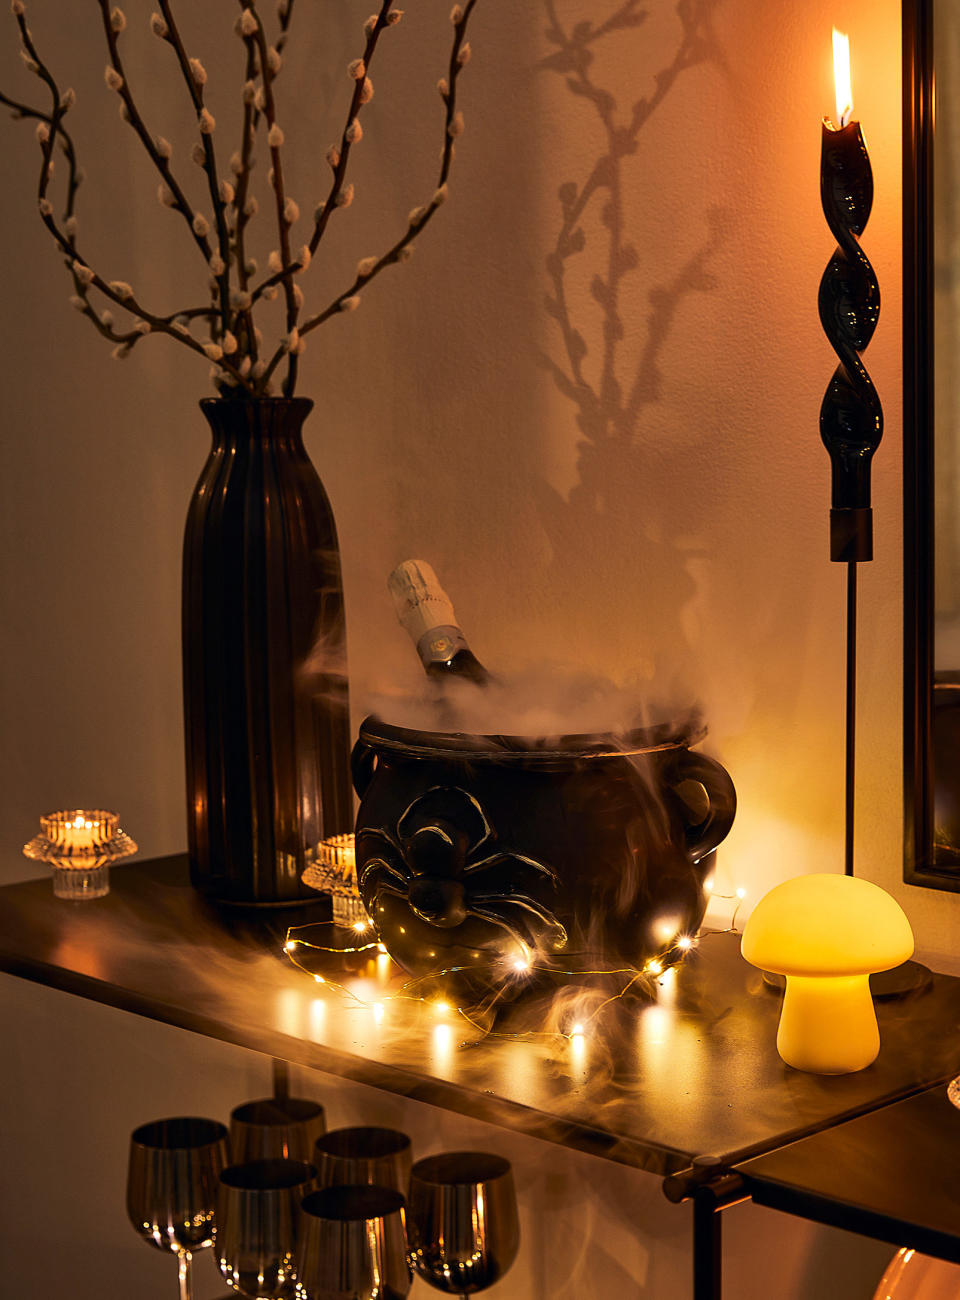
(266, 706)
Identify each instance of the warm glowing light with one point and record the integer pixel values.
(378, 1011)
(741, 892)
(841, 76)
(655, 1025)
(653, 967)
(708, 885)
(441, 1008)
(442, 1053)
(381, 948)
(290, 945)
(319, 979)
(361, 925)
(522, 960)
(577, 1030)
(665, 929)
(827, 933)
(80, 834)
(578, 1054)
(684, 943)
(667, 988)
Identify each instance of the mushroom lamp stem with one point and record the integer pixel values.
(828, 1025)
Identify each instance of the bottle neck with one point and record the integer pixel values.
(440, 645)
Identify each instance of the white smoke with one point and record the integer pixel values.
(539, 702)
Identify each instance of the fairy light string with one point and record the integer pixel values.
(412, 990)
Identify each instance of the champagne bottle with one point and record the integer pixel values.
(424, 609)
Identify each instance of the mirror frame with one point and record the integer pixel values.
(918, 451)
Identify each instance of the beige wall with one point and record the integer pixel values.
(689, 550)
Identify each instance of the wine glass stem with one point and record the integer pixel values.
(184, 1260)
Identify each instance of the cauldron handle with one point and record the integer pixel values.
(363, 764)
(705, 835)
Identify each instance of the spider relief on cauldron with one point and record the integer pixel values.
(444, 893)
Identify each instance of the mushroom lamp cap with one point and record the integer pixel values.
(827, 925)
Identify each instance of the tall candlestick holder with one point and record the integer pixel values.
(851, 417)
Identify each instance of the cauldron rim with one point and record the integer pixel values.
(384, 737)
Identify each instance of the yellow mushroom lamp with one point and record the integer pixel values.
(827, 934)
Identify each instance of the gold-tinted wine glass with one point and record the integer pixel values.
(462, 1224)
(275, 1128)
(257, 1212)
(172, 1185)
(350, 1157)
(351, 1245)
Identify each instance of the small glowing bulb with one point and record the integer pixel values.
(381, 948)
(684, 943)
(441, 1008)
(654, 967)
(521, 964)
(378, 1011)
(290, 945)
(319, 979)
(577, 1030)
(708, 885)
(360, 925)
(741, 892)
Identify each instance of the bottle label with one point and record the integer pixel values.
(440, 644)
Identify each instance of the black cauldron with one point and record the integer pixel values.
(485, 859)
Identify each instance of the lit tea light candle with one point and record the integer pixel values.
(80, 845)
(81, 834)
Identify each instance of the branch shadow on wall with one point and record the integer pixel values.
(616, 521)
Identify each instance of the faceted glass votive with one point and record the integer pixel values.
(335, 872)
(80, 844)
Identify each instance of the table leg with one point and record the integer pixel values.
(707, 1246)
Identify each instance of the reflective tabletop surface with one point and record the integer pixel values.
(891, 1175)
(692, 1070)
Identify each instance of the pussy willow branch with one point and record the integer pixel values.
(243, 208)
(243, 325)
(420, 216)
(133, 115)
(195, 90)
(53, 121)
(66, 145)
(363, 90)
(267, 75)
(84, 276)
(342, 154)
(237, 367)
(66, 239)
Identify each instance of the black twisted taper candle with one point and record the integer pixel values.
(851, 417)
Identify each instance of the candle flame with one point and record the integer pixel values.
(841, 76)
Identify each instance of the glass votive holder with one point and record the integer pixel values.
(80, 844)
(334, 872)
